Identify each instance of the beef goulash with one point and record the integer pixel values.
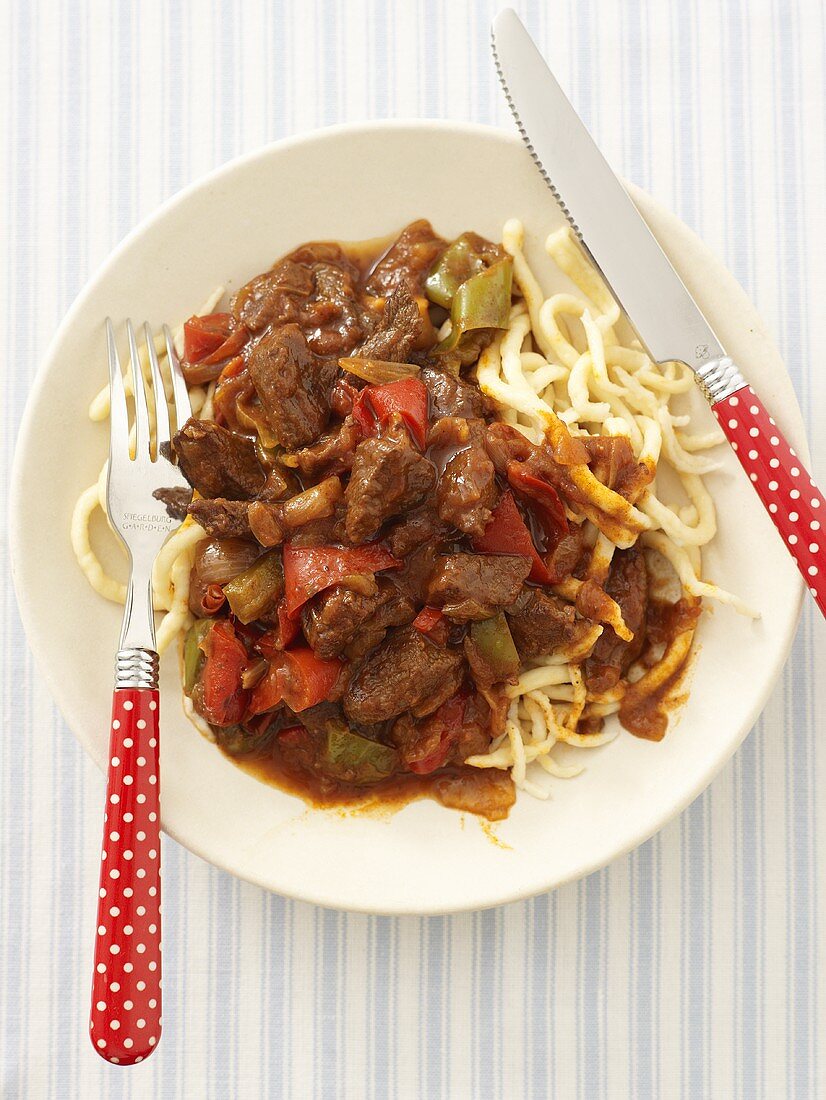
(426, 542)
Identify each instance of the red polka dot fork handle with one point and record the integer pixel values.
(125, 1022)
(796, 505)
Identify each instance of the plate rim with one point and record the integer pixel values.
(484, 899)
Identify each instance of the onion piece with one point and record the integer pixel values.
(363, 583)
(270, 522)
(216, 562)
(317, 502)
(378, 371)
(253, 673)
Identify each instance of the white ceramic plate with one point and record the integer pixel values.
(353, 183)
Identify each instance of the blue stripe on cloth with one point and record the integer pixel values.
(694, 966)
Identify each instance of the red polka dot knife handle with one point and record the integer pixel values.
(795, 504)
(125, 1023)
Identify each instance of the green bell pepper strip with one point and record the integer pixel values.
(253, 591)
(193, 654)
(494, 644)
(355, 759)
(482, 302)
(458, 263)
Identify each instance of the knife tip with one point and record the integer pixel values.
(502, 19)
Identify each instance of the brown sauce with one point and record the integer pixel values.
(666, 619)
(647, 715)
(491, 791)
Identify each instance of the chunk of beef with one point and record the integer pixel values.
(395, 609)
(418, 527)
(331, 618)
(321, 532)
(466, 493)
(450, 396)
(568, 554)
(442, 691)
(447, 735)
(397, 331)
(414, 577)
(332, 454)
(175, 499)
(483, 720)
(222, 518)
(331, 317)
(388, 477)
(475, 586)
(627, 584)
(337, 617)
(407, 261)
(293, 385)
(315, 287)
(272, 297)
(342, 398)
(541, 624)
(404, 672)
(216, 462)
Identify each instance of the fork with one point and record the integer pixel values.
(125, 1021)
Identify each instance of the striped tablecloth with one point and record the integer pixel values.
(694, 967)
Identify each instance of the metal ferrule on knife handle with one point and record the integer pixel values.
(719, 378)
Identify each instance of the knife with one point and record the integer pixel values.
(666, 318)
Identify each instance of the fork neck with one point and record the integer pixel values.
(136, 665)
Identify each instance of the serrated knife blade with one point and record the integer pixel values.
(665, 316)
(656, 302)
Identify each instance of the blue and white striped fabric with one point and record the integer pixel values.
(694, 967)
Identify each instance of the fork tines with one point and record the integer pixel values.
(119, 417)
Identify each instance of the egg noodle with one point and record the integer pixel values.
(563, 360)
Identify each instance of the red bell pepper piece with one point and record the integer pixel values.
(288, 628)
(363, 413)
(213, 599)
(229, 348)
(224, 699)
(376, 404)
(507, 533)
(292, 736)
(204, 335)
(427, 619)
(445, 723)
(232, 368)
(273, 641)
(542, 493)
(310, 569)
(296, 677)
(408, 397)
